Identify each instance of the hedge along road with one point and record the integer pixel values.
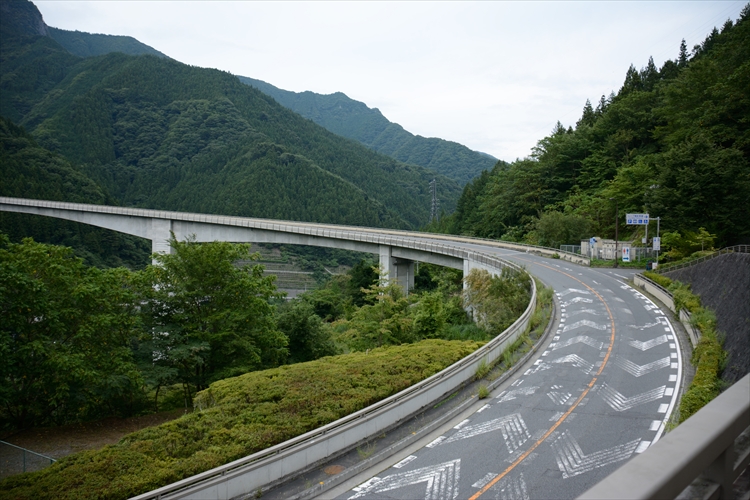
(601, 391)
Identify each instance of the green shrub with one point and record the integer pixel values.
(708, 357)
(684, 298)
(236, 417)
(658, 278)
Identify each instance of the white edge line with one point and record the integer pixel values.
(677, 385)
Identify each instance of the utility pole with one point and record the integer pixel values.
(435, 203)
(617, 216)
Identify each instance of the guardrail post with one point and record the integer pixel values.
(721, 471)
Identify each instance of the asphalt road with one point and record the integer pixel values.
(600, 392)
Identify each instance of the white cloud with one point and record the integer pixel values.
(495, 76)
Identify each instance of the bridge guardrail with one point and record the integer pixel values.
(298, 227)
(699, 459)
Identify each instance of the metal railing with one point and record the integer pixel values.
(27, 462)
(732, 249)
(699, 459)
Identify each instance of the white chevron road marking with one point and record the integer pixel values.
(576, 300)
(645, 346)
(572, 461)
(638, 370)
(576, 361)
(581, 339)
(441, 481)
(647, 325)
(405, 461)
(512, 427)
(559, 397)
(573, 359)
(593, 312)
(584, 322)
(573, 290)
(509, 396)
(618, 402)
(510, 488)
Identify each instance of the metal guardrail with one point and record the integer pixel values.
(665, 297)
(27, 464)
(732, 249)
(699, 459)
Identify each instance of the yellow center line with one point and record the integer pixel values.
(559, 421)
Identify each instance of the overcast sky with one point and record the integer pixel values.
(494, 76)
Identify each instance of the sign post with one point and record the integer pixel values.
(637, 220)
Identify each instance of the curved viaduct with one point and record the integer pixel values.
(599, 392)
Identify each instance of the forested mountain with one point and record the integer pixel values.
(155, 133)
(84, 44)
(673, 142)
(20, 17)
(353, 119)
(30, 171)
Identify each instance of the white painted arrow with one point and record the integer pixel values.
(572, 461)
(584, 322)
(581, 339)
(441, 481)
(512, 427)
(638, 370)
(618, 402)
(645, 346)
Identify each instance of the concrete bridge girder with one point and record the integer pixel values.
(397, 261)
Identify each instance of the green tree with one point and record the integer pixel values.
(496, 301)
(208, 315)
(383, 320)
(309, 338)
(555, 228)
(65, 337)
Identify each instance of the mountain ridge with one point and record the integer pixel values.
(355, 120)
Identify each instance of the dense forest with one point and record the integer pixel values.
(353, 119)
(154, 133)
(673, 142)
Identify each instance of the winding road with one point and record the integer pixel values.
(600, 391)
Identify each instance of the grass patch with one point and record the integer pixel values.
(633, 264)
(236, 417)
(482, 370)
(484, 392)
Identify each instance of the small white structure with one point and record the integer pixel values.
(599, 248)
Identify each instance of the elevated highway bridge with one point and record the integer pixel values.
(599, 393)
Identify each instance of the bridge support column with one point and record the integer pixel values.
(397, 270)
(159, 233)
(404, 274)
